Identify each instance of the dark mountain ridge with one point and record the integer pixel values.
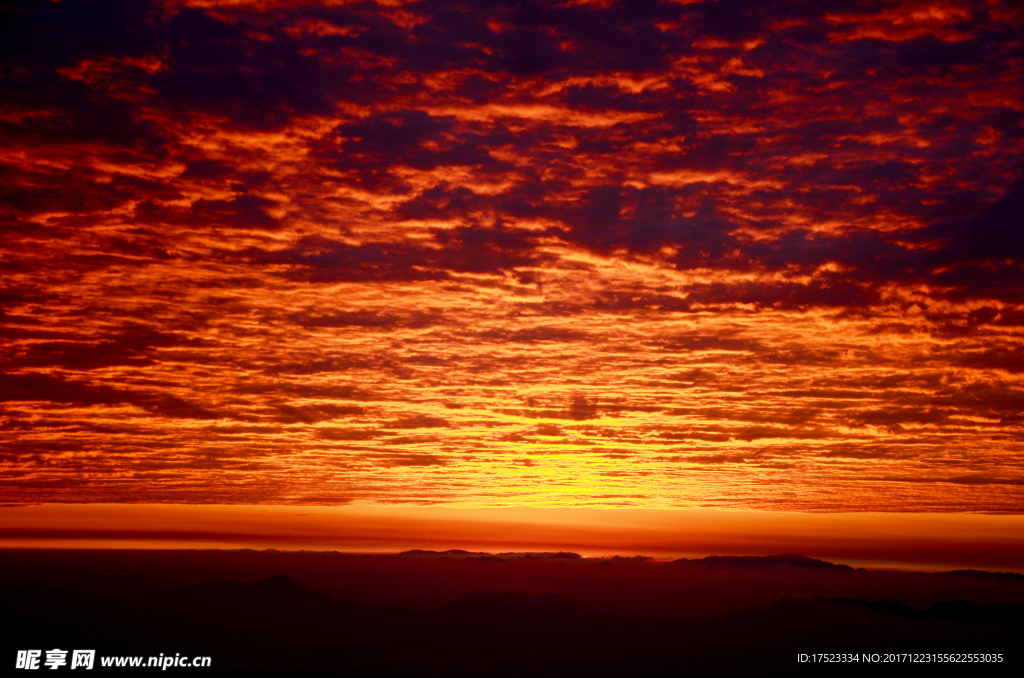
(277, 624)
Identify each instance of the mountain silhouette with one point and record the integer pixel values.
(276, 624)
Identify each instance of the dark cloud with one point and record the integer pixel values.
(418, 421)
(311, 414)
(321, 260)
(415, 460)
(47, 389)
(366, 319)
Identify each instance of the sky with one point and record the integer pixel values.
(732, 255)
(878, 540)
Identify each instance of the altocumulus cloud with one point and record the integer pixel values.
(601, 253)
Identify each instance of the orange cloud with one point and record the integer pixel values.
(713, 255)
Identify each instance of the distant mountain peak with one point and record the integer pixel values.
(782, 560)
(276, 581)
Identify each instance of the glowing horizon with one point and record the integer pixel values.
(928, 541)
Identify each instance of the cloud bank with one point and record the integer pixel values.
(590, 253)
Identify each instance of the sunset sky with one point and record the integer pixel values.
(598, 254)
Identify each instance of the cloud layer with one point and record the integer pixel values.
(591, 253)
